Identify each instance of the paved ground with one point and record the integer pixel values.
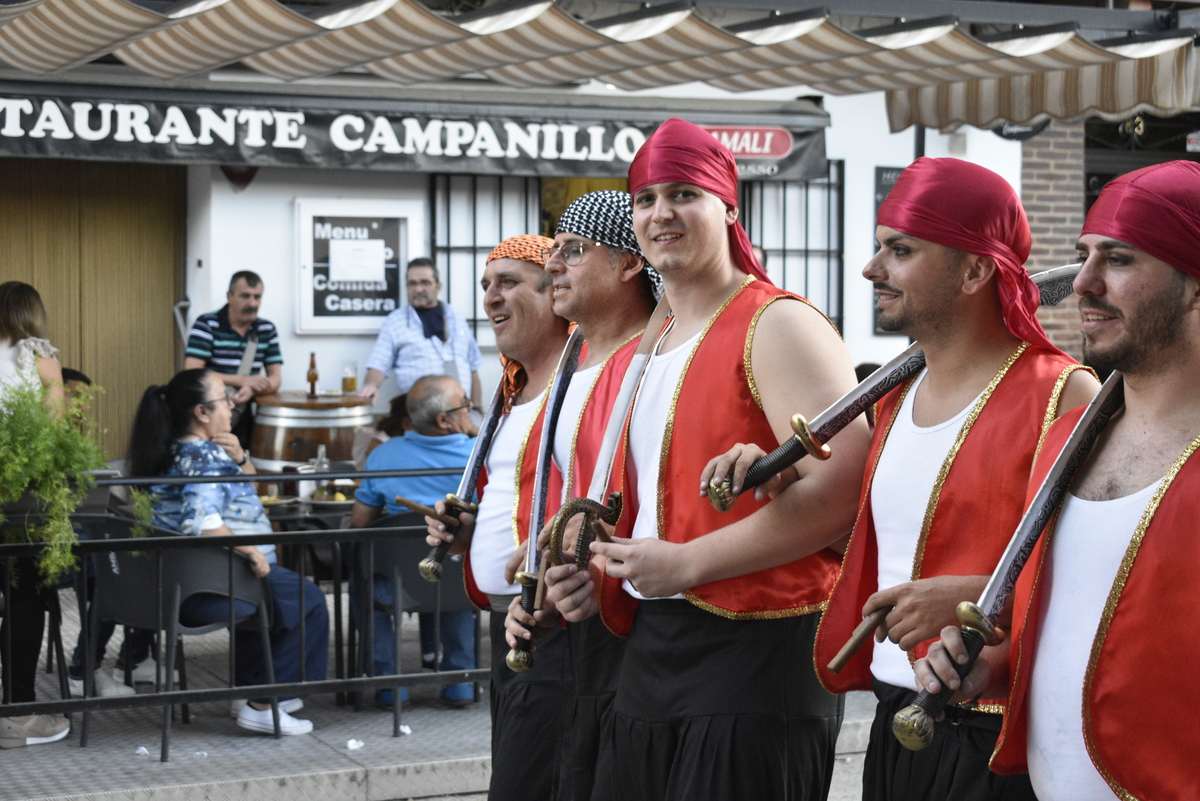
(445, 756)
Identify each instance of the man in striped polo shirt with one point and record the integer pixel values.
(219, 341)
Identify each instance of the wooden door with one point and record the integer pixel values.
(103, 243)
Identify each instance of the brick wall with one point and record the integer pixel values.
(1052, 183)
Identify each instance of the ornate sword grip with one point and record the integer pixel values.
(431, 566)
(520, 659)
(913, 725)
(804, 443)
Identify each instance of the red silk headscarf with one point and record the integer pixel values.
(685, 153)
(962, 205)
(1155, 209)
(526, 247)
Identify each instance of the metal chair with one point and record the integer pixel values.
(129, 582)
(399, 557)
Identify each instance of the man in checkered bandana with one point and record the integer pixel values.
(603, 284)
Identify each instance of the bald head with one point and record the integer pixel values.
(434, 396)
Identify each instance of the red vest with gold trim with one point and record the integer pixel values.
(1140, 730)
(975, 514)
(716, 407)
(589, 429)
(527, 462)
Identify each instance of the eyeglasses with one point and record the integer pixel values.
(466, 404)
(229, 393)
(572, 252)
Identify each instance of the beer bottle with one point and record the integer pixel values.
(312, 375)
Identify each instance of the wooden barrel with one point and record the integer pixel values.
(289, 425)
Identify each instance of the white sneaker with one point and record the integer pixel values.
(106, 685)
(260, 720)
(290, 705)
(33, 730)
(143, 673)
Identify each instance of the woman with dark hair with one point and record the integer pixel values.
(182, 429)
(26, 362)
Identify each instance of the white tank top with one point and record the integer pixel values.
(495, 539)
(647, 428)
(904, 479)
(1086, 550)
(568, 424)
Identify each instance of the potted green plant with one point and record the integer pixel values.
(43, 463)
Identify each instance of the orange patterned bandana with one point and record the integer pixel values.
(527, 247)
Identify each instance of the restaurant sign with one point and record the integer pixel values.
(277, 135)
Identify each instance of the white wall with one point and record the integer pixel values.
(254, 229)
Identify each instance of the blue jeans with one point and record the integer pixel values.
(458, 635)
(286, 619)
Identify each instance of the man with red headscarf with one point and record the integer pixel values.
(1102, 632)
(717, 698)
(949, 459)
(527, 708)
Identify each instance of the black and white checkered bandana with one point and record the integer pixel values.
(606, 217)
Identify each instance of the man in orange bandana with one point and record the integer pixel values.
(527, 708)
(716, 699)
(1102, 635)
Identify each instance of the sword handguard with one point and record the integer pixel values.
(914, 725)
(610, 513)
(520, 659)
(431, 566)
(803, 443)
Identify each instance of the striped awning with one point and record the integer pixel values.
(936, 73)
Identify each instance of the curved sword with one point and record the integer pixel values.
(520, 659)
(810, 437)
(913, 725)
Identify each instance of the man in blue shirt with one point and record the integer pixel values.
(423, 338)
(439, 410)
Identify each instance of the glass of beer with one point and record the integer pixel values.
(349, 376)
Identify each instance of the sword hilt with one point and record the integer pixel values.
(431, 566)
(914, 725)
(520, 659)
(804, 443)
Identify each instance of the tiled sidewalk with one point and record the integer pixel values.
(446, 754)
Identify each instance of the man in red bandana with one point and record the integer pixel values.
(1102, 635)
(716, 698)
(949, 461)
(526, 708)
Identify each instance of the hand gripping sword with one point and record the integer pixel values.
(913, 725)
(460, 501)
(590, 506)
(520, 659)
(810, 437)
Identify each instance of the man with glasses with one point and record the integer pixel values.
(601, 283)
(426, 337)
(442, 437)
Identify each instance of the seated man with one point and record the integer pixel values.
(439, 411)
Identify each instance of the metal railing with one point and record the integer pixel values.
(157, 545)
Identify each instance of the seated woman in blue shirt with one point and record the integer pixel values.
(182, 429)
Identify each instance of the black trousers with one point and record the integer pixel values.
(596, 657)
(24, 621)
(953, 768)
(712, 709)
(528, 717)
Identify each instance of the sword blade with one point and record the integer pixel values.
(483, 442)
(630, 382)
(554, 400)
(1050, 494)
